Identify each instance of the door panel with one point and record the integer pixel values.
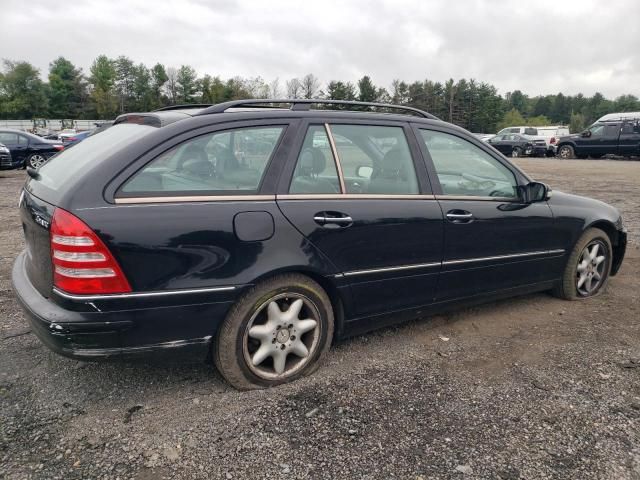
(390, 254)
(629, 143)
(503, 245)
(492, 241)
(385, 235)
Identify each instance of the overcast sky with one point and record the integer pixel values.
(537, 46)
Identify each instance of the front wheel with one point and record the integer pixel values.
(566, 152)
(516, 152)
(36, 160)
(277, 332)
(588, 267)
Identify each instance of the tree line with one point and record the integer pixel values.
(118, 85)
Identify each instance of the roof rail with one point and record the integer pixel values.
(183, 107)
(304, 104)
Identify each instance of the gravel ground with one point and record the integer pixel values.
(532, 387)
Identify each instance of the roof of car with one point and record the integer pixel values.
(269, 108)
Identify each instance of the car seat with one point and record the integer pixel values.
(392, 176)
(306, 179)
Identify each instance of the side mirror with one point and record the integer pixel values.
(586, 134)
(364, 171)
(536, 192)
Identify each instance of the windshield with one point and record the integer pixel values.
(67, 164)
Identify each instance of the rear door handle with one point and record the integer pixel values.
(332, 218)
(459, 216)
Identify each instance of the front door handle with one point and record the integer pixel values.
(459, 216)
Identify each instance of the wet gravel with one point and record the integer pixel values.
(531, 387)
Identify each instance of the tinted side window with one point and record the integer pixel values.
(612, 130)
(316, 168)
(8, 138)
(223, 162)
(464, 169)
(23, 140)
(530, 131)
(375, 160)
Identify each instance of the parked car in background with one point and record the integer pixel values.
(5, 157)
(515, 145)
(237, 236)
(550, 134)
(70, 140)
(101, 127)
(485, 136)
(28, 149)
(609, 137)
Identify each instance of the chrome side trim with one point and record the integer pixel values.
(448, 262)
(351, 196)
(115, 296)
(336, 157)
(501, 257)
(196, 198)
(486, 199)
(390, 269)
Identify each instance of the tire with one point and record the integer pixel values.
(36, 160)
(566, 152)
(235, 350)
(516, 152)
(569, 287)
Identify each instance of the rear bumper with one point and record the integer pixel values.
(89, 332)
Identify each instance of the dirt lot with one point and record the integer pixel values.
(531, 387)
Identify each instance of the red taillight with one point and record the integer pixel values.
(59, 147)
(553, 140)
(81, 262)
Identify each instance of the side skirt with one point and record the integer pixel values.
(362, 325)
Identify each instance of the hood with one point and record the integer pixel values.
(569, 137)
(562, 202)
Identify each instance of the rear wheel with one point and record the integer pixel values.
(588, 267)
(566, 152)
(277, 332)
(516, 152)
(36, 160)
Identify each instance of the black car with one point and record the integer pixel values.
(26, 149)
(608, 137)
(256, 236)
(514, 145)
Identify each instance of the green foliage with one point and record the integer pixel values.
(67, 89)
(576, 123)
(337, 90)
(22, 93)
(512, 118)
(120, 85)
(103, 78)
(186, 80)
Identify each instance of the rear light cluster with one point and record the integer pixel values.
(81, 261)
(553, 140)
(59, 147)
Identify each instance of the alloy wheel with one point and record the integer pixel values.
(282, 336)
(591, 269)
(36, 160)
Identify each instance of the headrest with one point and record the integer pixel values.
(312, 161)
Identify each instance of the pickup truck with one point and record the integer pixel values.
(617, 137)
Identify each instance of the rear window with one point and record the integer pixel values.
(224, 162)
(64, 166)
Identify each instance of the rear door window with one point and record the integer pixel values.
(316, 170)
(8, 138)
(375, 160)
(227, 162)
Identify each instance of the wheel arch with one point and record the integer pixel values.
(328, 285)
(612, 232)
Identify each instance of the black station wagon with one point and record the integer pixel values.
(254, 235)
